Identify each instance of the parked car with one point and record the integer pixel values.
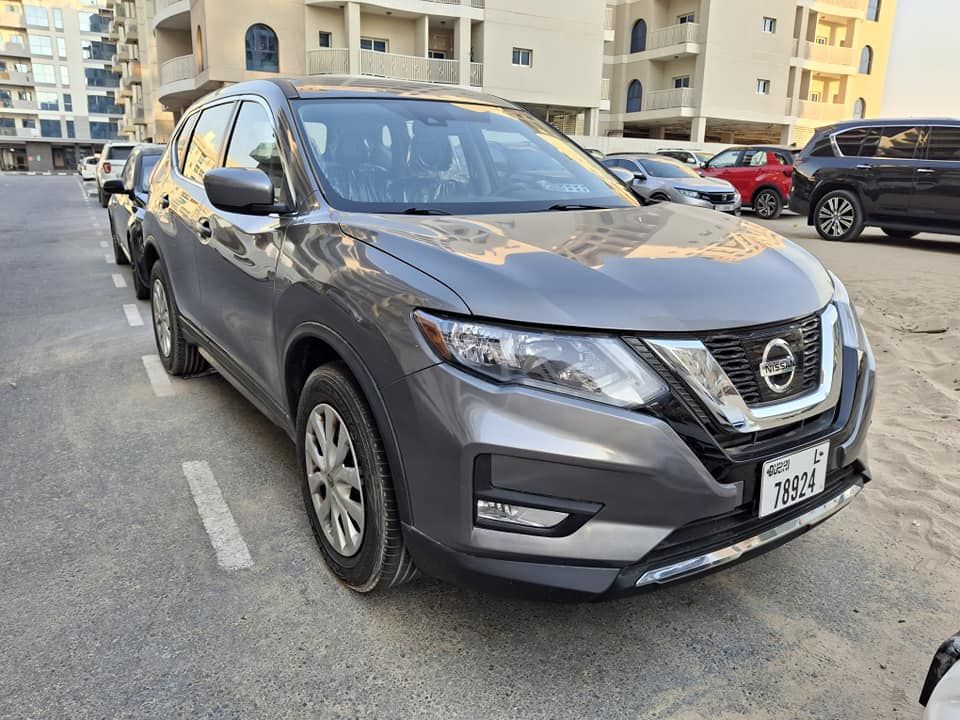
(528, 383)
(594, 153)
(112, 159)
(902, 176)
(762, 174)
(696, 158)
(941, 688)
(128, 199)
(657, 178)
(87, 167)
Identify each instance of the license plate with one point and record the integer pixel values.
(729, 207)
(793, 478)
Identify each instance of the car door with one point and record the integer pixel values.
(120, 207)
(182, 202)
(726, 166)
(937, 180)
(887, 164)
(237, 254)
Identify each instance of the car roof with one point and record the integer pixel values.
(350, 86)
(149, 148)
(768, 148)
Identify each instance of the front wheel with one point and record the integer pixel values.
(899, 234)
(347, 486)
(768, 204)
(838, 216)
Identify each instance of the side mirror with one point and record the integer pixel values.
(623, 175)
(639, 176)
(240, 190)
(113, 187)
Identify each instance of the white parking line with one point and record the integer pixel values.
(133, 315)
(103, 244)
(232, 552)
(109, 259)
(118, 280)
(159, 380)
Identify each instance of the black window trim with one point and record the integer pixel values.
(921, 127)
(220, 155)
(926, 141)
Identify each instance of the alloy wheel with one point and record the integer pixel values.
(161, 318)
(333, 478)
(766, 204)
(836, 216)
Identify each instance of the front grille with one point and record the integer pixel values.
(717, 198)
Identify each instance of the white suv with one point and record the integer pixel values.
(112, 159)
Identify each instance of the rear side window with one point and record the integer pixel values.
(118, 153)
(754, 158)
(944, 143)
(183, 140)
(203, 154)
(898, 142)
(253, 145)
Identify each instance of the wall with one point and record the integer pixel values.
(641, 145)
(879, 36)
(327, 19)
(400, 32)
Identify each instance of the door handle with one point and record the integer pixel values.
(864, 167)
(164, 201)
(203, 229)
(926, 171)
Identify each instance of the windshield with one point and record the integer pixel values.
(459, 158)
(147, 163)
(667, 168)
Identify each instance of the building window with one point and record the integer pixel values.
(96, 50)
(638, 36)
(325, 39)
(681, 82)
(57, 19)
(100, 77)
(71, 129)
(873, 10)
(859, 109)
(48, 100)
(866, 60)
(30, 123)
(64, 75)
(437, 54)
(103, 130)
(686, 18)
(821, 40)
(523, 57)
(769, 25)
(41, 45)
(262, 49)
(36, 16)
(374, 44)
(763, 87)
(61, 48)
(102, 105)
(93, 23)
(634, 96)
(68, 102)
(43, 73)
(50, 128)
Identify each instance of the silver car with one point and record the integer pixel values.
(657, 178)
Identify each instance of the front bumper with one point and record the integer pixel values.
(733, 208)
(665, 499)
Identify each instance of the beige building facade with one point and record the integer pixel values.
(744, 70)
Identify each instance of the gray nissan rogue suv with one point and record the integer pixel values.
(498, 366)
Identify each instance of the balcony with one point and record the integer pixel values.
(20, 132)
(820, 112)
(609, 24)
(171, 14)
(662, 104)
(843, 8)
(128, 33)
(839, 59)
(336, 61)
(14, 49)
(668, 43)
(12, 19)
(16, 105)
(177, 69)
(11, 77)
(130, 74)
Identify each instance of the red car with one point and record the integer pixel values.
(761, 173)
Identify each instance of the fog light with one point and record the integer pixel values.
(518, 514)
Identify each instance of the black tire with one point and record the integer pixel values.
(102, 197)
(657, 198)
(381, 561)
(900, 234)
(832, 212)
(183, 358)
(118, 255)
(768, 204)
(139, 289)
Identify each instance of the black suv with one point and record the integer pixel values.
(902, 176)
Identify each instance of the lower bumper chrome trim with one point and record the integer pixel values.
(708, 561)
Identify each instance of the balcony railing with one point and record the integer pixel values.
(12, 18)
(476, 74)
(14, 48)
(668, 99)
(673, 35)
(858, 6)
(819, 111)
(19, 132)
(178, 68)
(605, 88)
(13, 103)
(328, 61)
(827, 54)
(12, 77)
(469, 3)
(408, 67)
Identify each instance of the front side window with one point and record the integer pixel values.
(41, 45)
(147, 164)
(898, 142)
(183, 140)
(522, 57)
(126, 177)
(36, 16)
(413, 155)
(262, 49)
(754, 158)
(253, 145)
(203, 154)
(728, 158)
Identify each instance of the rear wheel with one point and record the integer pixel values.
(838, 216)
(899, 234)
(768, 204)
(347, 486)
(102, 197)
(177, 355)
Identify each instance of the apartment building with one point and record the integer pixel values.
(544, 54)
(735, 71)
(144, 118)
(58, 95)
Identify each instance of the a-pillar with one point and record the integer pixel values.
(351, 24)
(461, 49)
(698, 129)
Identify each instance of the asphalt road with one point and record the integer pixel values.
(113, 604)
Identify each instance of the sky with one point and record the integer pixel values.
(922, 75)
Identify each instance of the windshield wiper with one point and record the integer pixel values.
(574, 206)
(423, 211)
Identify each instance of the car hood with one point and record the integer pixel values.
(661, 268)
(700, 184)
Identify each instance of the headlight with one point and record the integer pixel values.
(596, 368)
(850, 326)
(688, 193)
